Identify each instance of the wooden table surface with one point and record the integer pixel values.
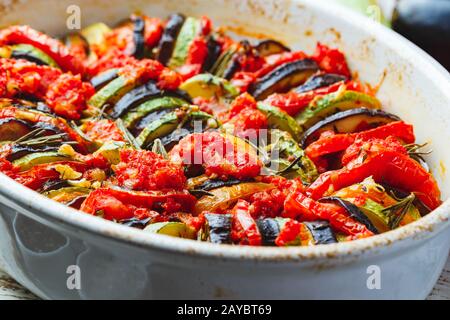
(11, 290)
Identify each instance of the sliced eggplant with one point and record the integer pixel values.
(153, 116)
(269, 230)
(320, 81)
(172, 229)
(333, 103)
(149, 109)
(190, 30)
(19, 151)
(101, 80)
(212, 184)
(139, 95)
(54, 185)
(353, 211)
(169, 38)
(269, 47)
(220, 67)
(217, 228)
(208, 86)
(138, 37)
(400, 194)
(278, 119)
(136, 223)
(349, 121)
(321, 232)
(12, 129)
(214, 51)
(284, 78)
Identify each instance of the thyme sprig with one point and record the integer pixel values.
(397, 212)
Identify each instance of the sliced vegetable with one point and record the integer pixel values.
(95, 34)
(321, 232)
(223, 198)
(269, 230)
(348, 121)
(173, 229)
(284, 78)
(320, 81)
(29, 161)
(208, 86)
(332, 103)
(217, 228)
(158, 129)
(32, 54)
(101, 80)
(268, 47)
(191, 28)
(279, 119)
(138, 37)
(111, 93)
(67, 195)
(169, 37)
(12, 129)
(214, 51)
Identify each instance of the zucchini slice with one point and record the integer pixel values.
(269, 230)
(173, 229)
(269, 47)
(290, 152)
(349, 121)
(67, 195)
(220, 67)
(169, 37)
(95, 34)
(158, 129)
(284, 78)
(320, 81)
(208, 86)
(217, 228)
(191, 28)
(29, 161)
(278, 119)
(332, 103)
(165, 103)
(32, 54)
(321, 232)
(112, 92)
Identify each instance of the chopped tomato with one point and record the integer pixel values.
(222, 156)
(103, 131)
(145, 170)
(52, 47)
(244, 231)
(331, 60)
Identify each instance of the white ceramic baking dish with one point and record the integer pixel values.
(41, 241)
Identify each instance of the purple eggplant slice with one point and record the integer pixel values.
(348, 121)
(104, 78)
(269, 230)
(284, 78)
(218, 228)
(353, 211)
(138, 37)
(214, 51)
(321, 232)
(169, 38)
(320, 81)
(268, 47)
(12, 129)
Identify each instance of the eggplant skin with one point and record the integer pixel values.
(214, 51)
(284, 78)
(321, 232)
(353, 211)
(320, 81)
(219, 228)
(216, 183)
(28, 57)
(138, 37)
(169, 38)
(269, 230)
(373, 117)
(427, 24)
(268, 47)
(98, 82)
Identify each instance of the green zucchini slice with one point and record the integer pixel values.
(29, 161)
(208, 86)
(191, 28)
(158, 129)
(278, 119)
(173, 229)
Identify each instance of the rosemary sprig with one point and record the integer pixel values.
(127, 134)
(36, 138)
(397, 212)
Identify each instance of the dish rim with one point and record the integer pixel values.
(22, 198)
